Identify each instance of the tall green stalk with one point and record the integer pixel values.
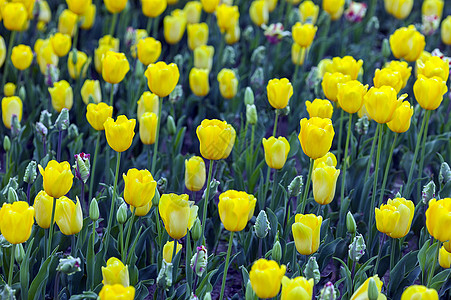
(307, 187)
(155, 148)
(207, 195)
(127, 239)
(113, 24)
(274, 131)
(94, 162)
(370, 159)
(12, 37)
(11, 265)
(226, 266)
(340, 134)
(111, 94)
(345, 158)
(423, 149)
(376, 173)
(434, 262)
(52, 220)
(387, 168)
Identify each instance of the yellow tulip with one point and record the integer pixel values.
(400, 9)
(78, 6)
(29, 5)
(117, 292)
(193, 10)
(21, 57)
(203, 57)
(297, 54)
(306, 233)
(433, 66)
(137, 36)
(216, 139)
(298, 288)
(362, 291)
(209, 5)
(149, 50)
(227, 17)
(16, 221)
(319, 108)
(178, 214)
(324, 179)
(258, 12)
(9, 89)
(444, 258)
(432, 8)
(308, 12)
(438, 219)
(153, 8)
(395, 217)
(80, 68)
(266, 277)
(2, 51)
(148, 102)
(334, 8)
(447, 245)
(88, 18)
(197, 35)
(236, 209)
(62, 95)
(330, 84)
(57, 178)
(350, 95)
(11, 106)
(388, 77)
(407, 43)
(271, 5)
(141, 211)
(120, 133)
(316, 136)
(233, 35)
(115, 6)
(446, 31)
(67, 22)
(68, 215)
(162, 78)
(61, 43)
(139, 187)
(303, 34)
(108, 40)
(276, 151)
(114, 67)
(419, 292)
(402, 68)
(148, 128)
(99, 54)
(429, 91)
(43, 206)
(115, 272)
(324, 66)
(15, 16)
(381, 103)
(45, 14)
(401, 120)
(198, 82)
(228, 83)
(194, 173)
(329, 159)
(97, 114)
(347, 65)
(91, 92)
(168, 248)
(279, 92)
(174, 26)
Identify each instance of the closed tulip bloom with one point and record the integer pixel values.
(319, 108)
(227, 16)
(68, 216)
(381, 103)
(78, 6)
(395, 217)
(2, 51)
(43, 206)
(178, 214)
(67, 22)
(279, 92)
(444, 258)
(149, 50)
(141, 211)
(117, 292)
(334, 8)
(153, 8)
(233, 35)
(57, 178)
(402, 68)
(120, 133)
(316, 136)
(350, 95)
(80, 67)
(11, 106)
(115, 6)
(198, 82)
(91, 92)
(115, 272)
(97, 114)
(389, 77)
(407, 43)
(347, 65)
(433, 66)
(15, 16)
(216, 139)
(62, 95)
(203, 57)
(297, 54)
(148, 128)
(139, 34)
(401, 119)
(193, 10)
(329, 159)
(61, 43)
(446, 31)
(197, 35)
(298, 288)
(16, 221)
(429, 91)
(400, 9)
(99, 54)
(209, 5)
(228, 83)
(303, 35)
(266, 277)
(174, 26)
(29, 5)
(306, 233)
(419, 292)
(447, 245)
(432, 8)
(45, 14)
(162, 78)
(324, 178)
(236, 209)
(88, 18)
(276, 151)
(271, 5)
(9, 89)
(308, 12)
(21, 57)
(195, 173)
(168, 248)
(114, 67)
(110, 41)
(330, 84)
(258, 12)
(438, 219)
(362, 292)
(148, 102)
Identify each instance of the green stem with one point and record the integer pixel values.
(120, 242)
(11, 265)
(423, 149)
(73, 247)
(12, 37)
(157, 221)
(93, 249)
(74, 44)
(297, 67)
(323, 45)
(111, 94)
(274, 132)
(113, 24)
(307, 187)
(226, 266)
(93, 172)
(155, 149)
(52, 220)
(370, 159)
(387, 169)
(345, 158)
(273, 191)
(207, 195)
(379, 254)
(376, 172)
(149, 25)
(434, 262)
(392, 254)
(263, 197)
(130, 226)
(340, 134)
(155, 26)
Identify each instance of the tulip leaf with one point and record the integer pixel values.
(399, 270)
(84, 296)
(422, 257)
(439, 279)
(25, 271)
(37, 284)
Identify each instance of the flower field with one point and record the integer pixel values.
(225, 149)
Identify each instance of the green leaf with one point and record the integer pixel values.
(37, 285)
(25, 271)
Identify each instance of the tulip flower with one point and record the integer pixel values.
(141, 211)
(115, 6)
(279, 92)
(347, 65)
(400, 9)
(97, 114)
(350, 95)
(193, 10)
(306, 233)
(308, 12)
(276, 151)
(153, 8)
(324, 179)
(117, 292)
(419, 292)
(216, 139)
(330, 84)
(334, 8)
(233, 35)
(197, 35)
(68, 216)
(174, 26)
(21, 57)
(203, 57)
(162, 78)
(401, 120)
(329, 160)
(429, 91)
(91, 92)
(115, 272)
(168, 248)
(9, 89)
(43, 206)
(433, 66)
(236, 209)
(209, 6)
(447, 245)
(198, 82)
(319, 108)
(114, 67)
(14, 15)
(402, 68)
(258, 12)
(389, 77)
(11, 106)
(227, 17)
(266, 277)
(2, 51)
(16, 221)
(303, 35)
(81, 65)
(67, 22)
(228, 83)
(62, 95)
(381, 103)
(178, 214)
(362, 291)
(297, 288)
(195, 173)
(78, 6)
(395, 217)
(444, 258)
(148, 102)
(139, 187)
(149, 50)
(316, 136)
(148, 128)
(57, 178)
(446, 31)
(45, 14)
(407, 43)
(88, 18)
(432, 8)
(120, 133)
(438, 216)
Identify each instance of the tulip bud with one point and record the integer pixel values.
(258, 56)
(193, 297)
(164, 278)
(357, 248)
(262, 225)
(196, 230)
(121, 214)
(62, 121)
(82, 166)
(199, 261)
(9, 89)
(15, 126)
(257, 78)
(250, 294)
(30, 172)
(251, 114)
(229, 56)
(373, 292)
(156, 198)
(19, 253)
(69, 265)
(362, 125)
(213, 188)
(398, 195)
(52, 75)
(207, 296)
(170, 123)
(248, 33)
(312, 270)
(12, 195)
(94, 213)
(428, 192)
(372, 25)
(8, 293)
(350, 223)
(41, 129)
(276, 251)
(46, 118)
(386, 51)
(295, 187)
(22, 93)
(445, 174)
(162, 183)
(72, 132)
(6, 143)
(176, 94)
(249, 96)
(328, 292)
